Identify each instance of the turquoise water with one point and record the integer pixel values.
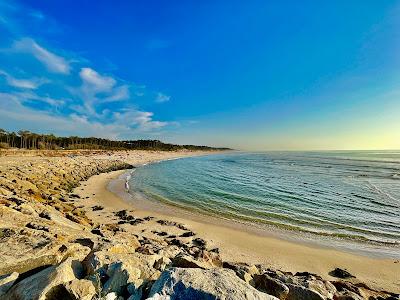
(349, 196)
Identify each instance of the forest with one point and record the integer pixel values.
(25, 139)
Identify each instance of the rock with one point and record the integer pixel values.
(343, 286)
(312, 282)
(76, 251)
(80, 289)
(45, 215)
(99, 263)
(6, 282)
(93, 262)
(31, 255)
(178, 283)
(297, 292)
(111, 296)
(74, 196)
(5, 192)
(6, 233)
(120, 274)
(210, 258)
(170, 251)
(97, 207)
(242, 270)
(27, 210)
(162, 263)
(37, 227)
(162, 233)
(252, 270)
(166, 222)
(216, 250)
(97, 231)
(48, 283)
(85, 242)
(135, 297)
(270, 286)
(122, 214)
(200, 242)
(323, 287)
(186, 261)
(146, 249)
(284, 277)
(177, 242)
(120, 248)
(341, 273)
(348, 295)
(136, 293)
(187, 234)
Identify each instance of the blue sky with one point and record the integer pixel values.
(260, 75)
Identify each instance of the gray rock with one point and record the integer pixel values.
(6, 282)
(178, 283)
(136, 293)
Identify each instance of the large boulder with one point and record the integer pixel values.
(22, 254)
(100, 261)
(208, 257)
(298, 292)
(270, 286)
(47, 284)
(80, 289)
(313, 282)
(244, 271)
(6, 282)
(194, 283)
(162, 263)
(120, 275)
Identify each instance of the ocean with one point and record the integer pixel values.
(346, 199)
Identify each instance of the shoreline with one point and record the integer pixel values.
(144, 203)
(241, 246)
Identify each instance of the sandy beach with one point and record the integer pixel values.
(237, 244)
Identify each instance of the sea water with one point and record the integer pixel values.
(346, 197)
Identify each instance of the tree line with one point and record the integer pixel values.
(25, 139)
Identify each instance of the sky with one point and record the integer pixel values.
(251, 75)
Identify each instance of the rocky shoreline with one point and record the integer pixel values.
(51, 249)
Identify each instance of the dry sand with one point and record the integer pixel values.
(236, 244)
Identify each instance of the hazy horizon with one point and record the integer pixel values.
(256, 76)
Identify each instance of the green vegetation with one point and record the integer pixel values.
(29, 140)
